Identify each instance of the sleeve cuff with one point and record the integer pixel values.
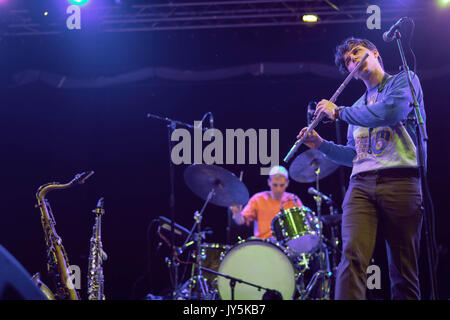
(325, 147)
(342, 113)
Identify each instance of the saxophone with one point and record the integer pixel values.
(57, 261)
(96, 257)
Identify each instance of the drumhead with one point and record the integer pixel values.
(258, 262)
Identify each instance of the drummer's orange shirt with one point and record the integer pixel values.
(262, 208)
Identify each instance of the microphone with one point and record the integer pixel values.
(313, 191)
(388, 36)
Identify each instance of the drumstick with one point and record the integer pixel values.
(241, 175)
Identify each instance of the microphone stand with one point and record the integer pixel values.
(422, 138)
(341, 168)
(233, 281)
(173, 269)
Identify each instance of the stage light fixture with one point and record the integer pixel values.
(78, 2)
(310, 18)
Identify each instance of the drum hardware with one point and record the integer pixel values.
(201, 286)
(278, 261)
(311, 166)
(171, 126)
(217, 186)
(321, 276)
(334, 218)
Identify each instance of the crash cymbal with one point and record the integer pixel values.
(228, 189)
(303, 168)
(332, 219)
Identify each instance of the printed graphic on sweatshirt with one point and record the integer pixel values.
(381, 140)
(361, 136)
(376, 144)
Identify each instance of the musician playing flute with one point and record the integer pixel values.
(384, 188)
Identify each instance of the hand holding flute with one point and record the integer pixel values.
(313, 140)
(327, 107)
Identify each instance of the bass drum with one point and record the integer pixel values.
(260, 262)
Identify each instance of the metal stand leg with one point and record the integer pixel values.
(322, 277)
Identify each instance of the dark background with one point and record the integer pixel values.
(50, 134)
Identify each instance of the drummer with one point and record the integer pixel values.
(265, 205)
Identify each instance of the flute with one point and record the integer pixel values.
(316, 120)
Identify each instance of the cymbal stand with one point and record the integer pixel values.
(324, 273)
(334, 241)
(197, 277)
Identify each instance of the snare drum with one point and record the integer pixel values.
(259, 262)
(297, 228)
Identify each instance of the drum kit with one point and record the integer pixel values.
(297, 263)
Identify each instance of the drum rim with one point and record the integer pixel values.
(276, 243)
(216, 245)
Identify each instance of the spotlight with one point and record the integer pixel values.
(78, 2)
(443, 3)
(310, 18)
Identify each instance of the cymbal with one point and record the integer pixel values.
(332, 219)
(303, 168)
(228, 189)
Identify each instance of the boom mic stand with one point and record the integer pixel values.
(269, 295)
(422, 138)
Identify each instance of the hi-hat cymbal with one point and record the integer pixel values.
(303, 168)
(228, 189)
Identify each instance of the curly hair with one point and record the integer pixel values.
(347, 45)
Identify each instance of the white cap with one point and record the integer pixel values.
(279, 170)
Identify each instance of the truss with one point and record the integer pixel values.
(146, 16)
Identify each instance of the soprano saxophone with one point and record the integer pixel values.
(57, 261)
(96, 257)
